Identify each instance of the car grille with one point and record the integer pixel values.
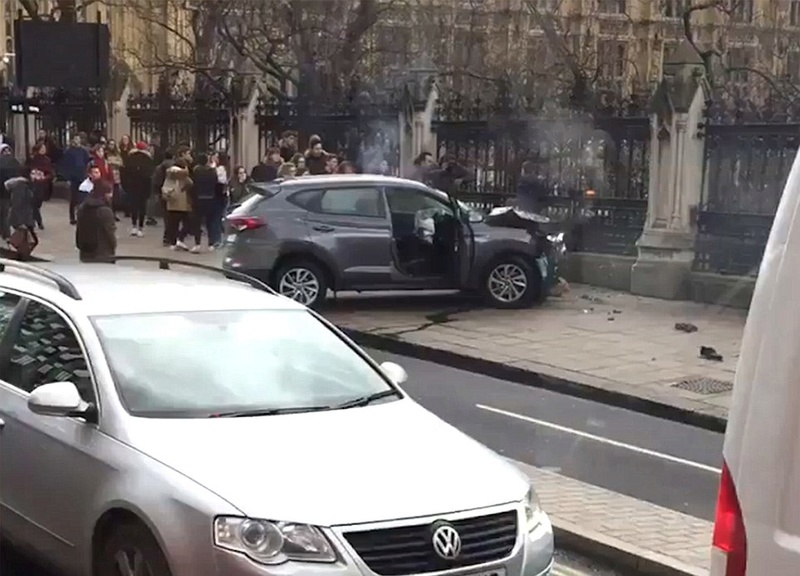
(409, 549)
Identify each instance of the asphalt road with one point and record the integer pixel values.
(659, 461)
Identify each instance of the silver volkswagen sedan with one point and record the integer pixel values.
(159, 423)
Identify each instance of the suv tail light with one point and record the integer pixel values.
(729, 533)
(242, 223)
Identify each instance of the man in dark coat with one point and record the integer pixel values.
(267, 170)
(204, 197)
(96, 230)
(532, 190)
(137, 178)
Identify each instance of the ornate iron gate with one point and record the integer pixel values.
(366, 133)
(199, 122)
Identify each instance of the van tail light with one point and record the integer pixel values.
(242, 223)
(729, 533)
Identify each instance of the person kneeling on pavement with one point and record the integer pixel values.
(96, 230)
(21, 216)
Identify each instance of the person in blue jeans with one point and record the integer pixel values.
(72, 168)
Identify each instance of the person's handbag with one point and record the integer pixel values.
(23, 241)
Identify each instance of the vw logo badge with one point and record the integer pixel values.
(446, 542)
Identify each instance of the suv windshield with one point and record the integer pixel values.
(194, 364)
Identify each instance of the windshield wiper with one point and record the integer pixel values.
(365, 400)
(270, 411)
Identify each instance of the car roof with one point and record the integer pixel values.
(107, 289)
(306, 181)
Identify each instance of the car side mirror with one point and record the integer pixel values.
(57, 399)
(396, 373)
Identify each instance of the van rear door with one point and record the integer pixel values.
(757, 529)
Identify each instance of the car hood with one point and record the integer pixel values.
(380, 462)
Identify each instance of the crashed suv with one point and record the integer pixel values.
(308, 235)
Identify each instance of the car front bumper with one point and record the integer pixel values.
(532, 556)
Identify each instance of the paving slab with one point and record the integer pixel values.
(624, 531)
(57, 240)
(611, 342)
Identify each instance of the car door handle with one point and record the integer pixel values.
(323, 228)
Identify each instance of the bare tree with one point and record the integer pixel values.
(573, 65)
(180, 43)
(314, 45)
(740, 50)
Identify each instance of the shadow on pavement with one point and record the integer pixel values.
(400, 301)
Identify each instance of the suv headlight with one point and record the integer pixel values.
(533, 511)
(272, 542)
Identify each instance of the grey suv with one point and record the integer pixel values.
(307, 235)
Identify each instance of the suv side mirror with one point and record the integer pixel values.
(396, 373)
(57, 399)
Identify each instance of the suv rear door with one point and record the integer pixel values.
(351, 224)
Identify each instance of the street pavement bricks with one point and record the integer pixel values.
(609, 340)
(57, 240)
(639, 528)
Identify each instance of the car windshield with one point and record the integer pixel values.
(468, 211)
(194, 364)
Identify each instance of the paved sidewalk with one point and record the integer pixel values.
(57, 240)
(625, 531)
(612, 342)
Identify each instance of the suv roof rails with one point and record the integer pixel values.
(164, 264)
(64, 286)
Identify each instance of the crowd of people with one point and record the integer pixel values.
(142, 180)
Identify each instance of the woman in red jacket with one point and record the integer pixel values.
(42, 179)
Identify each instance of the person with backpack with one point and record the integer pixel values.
(96, 227)
(179, 200)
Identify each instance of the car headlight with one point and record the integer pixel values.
(533, 511)
(272, 542)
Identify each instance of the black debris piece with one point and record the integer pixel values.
(708, 353)
(685, 327)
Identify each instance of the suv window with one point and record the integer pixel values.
(308, 199)
(8, 303)
(47, 350)
(410, 201)
(353, 202)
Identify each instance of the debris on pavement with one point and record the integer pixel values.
(685, 327)
(595, 299)
(708, 353)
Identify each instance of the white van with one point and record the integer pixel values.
(757, 529)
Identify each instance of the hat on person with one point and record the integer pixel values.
(141, 145)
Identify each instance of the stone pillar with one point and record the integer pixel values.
(119, 122)
(246, 148)
(666, 246)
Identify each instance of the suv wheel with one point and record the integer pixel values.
(303, 281)
(131, 550)
(511, 282)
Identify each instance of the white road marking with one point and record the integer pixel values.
(601, 439)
